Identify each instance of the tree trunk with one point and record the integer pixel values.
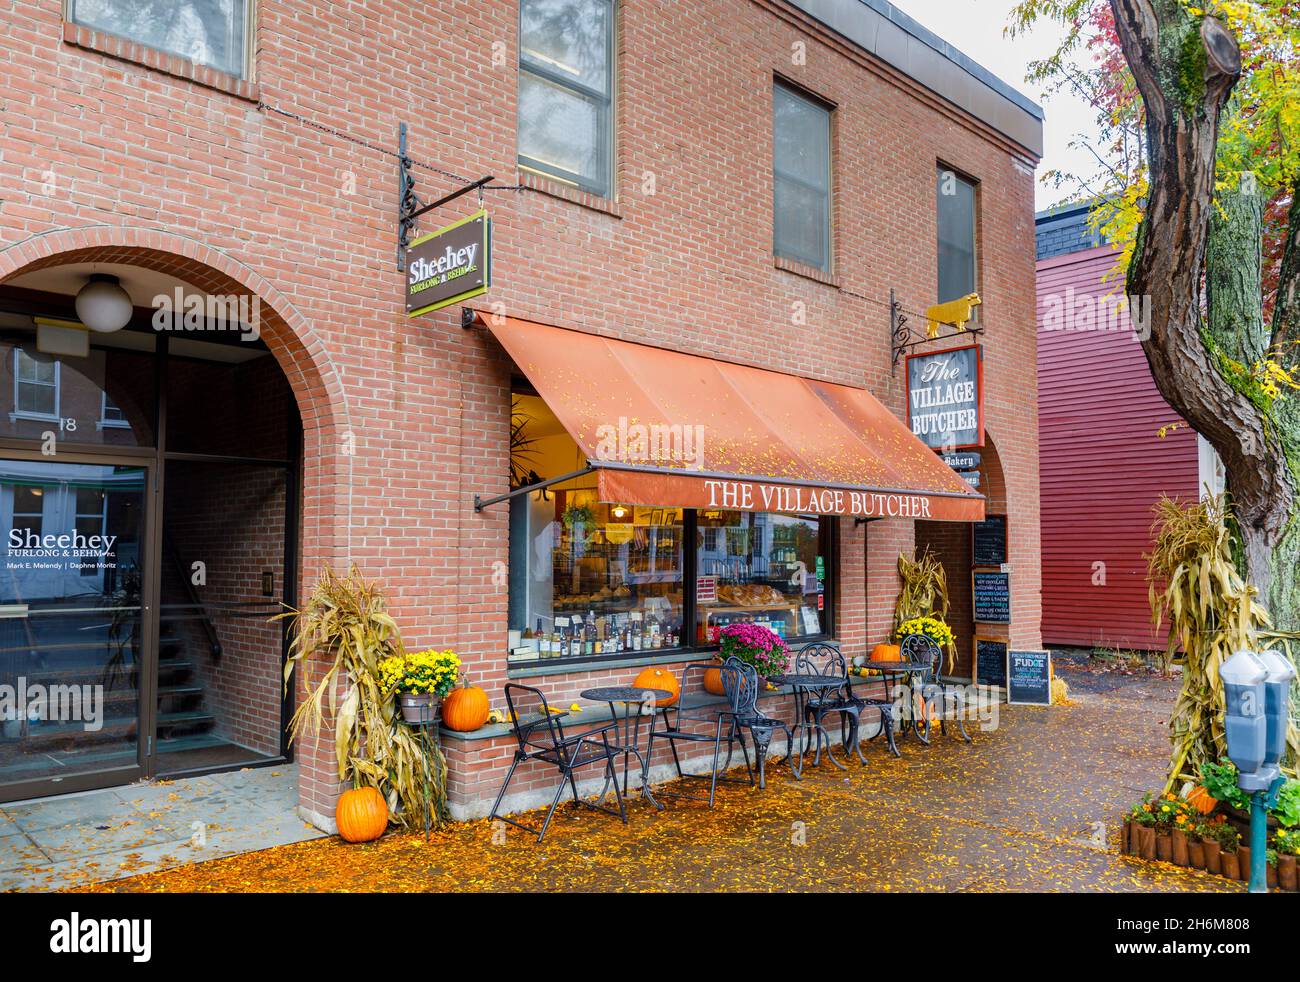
(1185, 66)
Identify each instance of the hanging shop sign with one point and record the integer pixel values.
(945, 397)
(969, 461)
(450, 265)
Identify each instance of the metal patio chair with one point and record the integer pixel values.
(932, 689)
(826, 659)
(540, 736)
(690, 721)
(740, 681)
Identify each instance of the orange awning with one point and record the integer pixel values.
(676, 430)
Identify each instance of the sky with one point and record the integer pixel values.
(974, 27)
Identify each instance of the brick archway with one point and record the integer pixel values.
(316, 386)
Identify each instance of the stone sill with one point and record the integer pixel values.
(807, 272)
(112, 46)
(576, 196)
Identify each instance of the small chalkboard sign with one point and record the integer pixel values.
(1029, 678)
(990, 661)
(989, 541)
(992, 596)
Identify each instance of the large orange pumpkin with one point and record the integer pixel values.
(713, 680)
(1200, 799)
(465, 709)
(361, 815)
(886, 652)
(660, 678)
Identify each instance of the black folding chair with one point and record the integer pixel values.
(540, 735)
(690, 721)
(930, 689)
(826, 659)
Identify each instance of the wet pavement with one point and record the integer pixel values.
(76, 839)
(1032, 805)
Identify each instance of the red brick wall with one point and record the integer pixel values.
(194, 178)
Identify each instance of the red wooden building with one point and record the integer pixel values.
(1103, 461)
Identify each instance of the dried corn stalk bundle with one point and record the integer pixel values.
(924, 592)
(1212, 613)
(346, 627)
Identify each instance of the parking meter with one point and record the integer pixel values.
(1277, 704)
(1246, 722)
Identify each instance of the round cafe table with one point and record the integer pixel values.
(635, 701)
(892, 669)
(804, 686)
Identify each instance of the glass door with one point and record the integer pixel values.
(73, 646)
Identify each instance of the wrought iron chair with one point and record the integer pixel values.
(884, 707)
(929, 689)
(540, 736)
(740, 681)
(824, 658)
(691, 722)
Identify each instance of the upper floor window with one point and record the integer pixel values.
(207, 32)
(956, 236)
(566, 91)
(801, 168)
(36, 386)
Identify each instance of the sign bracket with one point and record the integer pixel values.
(409, 205)
(904, 337)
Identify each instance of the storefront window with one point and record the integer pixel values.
(593, 580)
(956, 236)
(756, 568)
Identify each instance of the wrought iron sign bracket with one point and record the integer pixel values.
(904, 337)
(410, 207)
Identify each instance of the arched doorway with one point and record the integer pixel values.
(151, 496)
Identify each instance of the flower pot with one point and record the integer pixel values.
(417, 708)
(1243, 863)
(1231, 863)
(1178, 850)
(1126, 837)
(1196, 854)
(1213, 857)
(1164, 847)
(1271, 876)
(1145, 841)
(1286, 872)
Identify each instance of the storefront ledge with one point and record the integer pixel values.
(595, 713)
(123, 49)
(807, 272)
(539, 669)
(555, 189)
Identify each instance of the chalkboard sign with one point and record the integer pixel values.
(990, 661)
(989, 541)
(1029, 678)
(992, 592)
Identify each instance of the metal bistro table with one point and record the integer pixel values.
(891, 669)
(633, 699)
(805, 685)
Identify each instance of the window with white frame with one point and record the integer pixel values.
(36, 386)
(110, 416)
(208, 32)
(566, 91)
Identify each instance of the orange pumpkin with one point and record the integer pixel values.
(361, 815)
(1200, 799)
(660, 678)
(465, 709)
(713, 680)
(886, 652)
